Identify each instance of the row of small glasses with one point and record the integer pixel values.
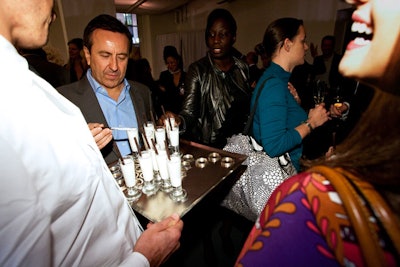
(161, 168)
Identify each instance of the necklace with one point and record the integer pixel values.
(175, 72)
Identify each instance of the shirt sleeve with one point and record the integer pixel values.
(136, 259)
(275, 135)
(191, 105)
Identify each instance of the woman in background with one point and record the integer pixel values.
(218, 92)
(308, 221)
(280, 124)
(172, 81)
(76, 65)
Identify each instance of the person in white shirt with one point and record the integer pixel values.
(59, 204)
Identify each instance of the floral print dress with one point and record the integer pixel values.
(305, 224)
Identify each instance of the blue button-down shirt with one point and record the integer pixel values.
(119, 113)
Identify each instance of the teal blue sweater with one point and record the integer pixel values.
(277, 115)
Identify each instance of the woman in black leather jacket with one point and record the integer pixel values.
(217, 90)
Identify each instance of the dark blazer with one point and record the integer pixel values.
(335, 78)
(82, 95)
(51, 72)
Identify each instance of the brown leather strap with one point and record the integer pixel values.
(358, 215)
(381, 209)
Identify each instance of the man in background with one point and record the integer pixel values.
(254, 72)
(326, 66)
(104, 96)
(55, 74)
(59, 204)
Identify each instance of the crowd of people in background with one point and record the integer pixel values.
(171, 89)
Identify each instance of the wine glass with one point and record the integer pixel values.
(178, 194)
(319, 92)
(127, 166)
(337, 100)
(146, 166)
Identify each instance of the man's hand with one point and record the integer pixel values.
(313, 50)
(160, 240)
(163, 120)
(338, 109)
(102, 136)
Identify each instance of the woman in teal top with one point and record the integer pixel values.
(280, 124)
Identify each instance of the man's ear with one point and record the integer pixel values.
(87, 55)
(233, 39)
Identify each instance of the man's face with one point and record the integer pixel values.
(327, 48)
(28, 22)
(108, 58)
(73, 51)
(220, 39)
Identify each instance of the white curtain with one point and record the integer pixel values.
(190, 45)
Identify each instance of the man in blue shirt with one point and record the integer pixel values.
(104, 96)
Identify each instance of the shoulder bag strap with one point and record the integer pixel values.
(358, 216)
(249, 122)
(383, 213)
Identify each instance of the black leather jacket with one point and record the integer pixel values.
(216, 103)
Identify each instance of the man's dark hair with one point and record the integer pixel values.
(108, 23)
(76, 41)
(224, 14)
(330, 38)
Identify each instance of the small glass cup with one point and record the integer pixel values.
(127, 166)
(162, 160)
(132, 134)
(178, 194)
(149, 130)
(168, 123)
(157, 178)
(174, 139)
(146, 166)
(160, 136)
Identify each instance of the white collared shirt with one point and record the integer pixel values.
(59, 204)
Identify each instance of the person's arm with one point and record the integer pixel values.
(160, 240)
(316, 117)
(191, 105)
